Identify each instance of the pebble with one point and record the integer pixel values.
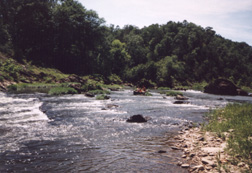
(208, 168)
(199, 167)
(206, 161)
(203, 155)
(231, 130)
(185, 146)
(192, 155)
(161, 151)
(179, 163)
(241, 164)
(175, 148)
(185, 166)
(186, 151)
(211, 154)
(184, 156)
(201, 139)
(204, 143)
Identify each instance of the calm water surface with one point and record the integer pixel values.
(74, 133)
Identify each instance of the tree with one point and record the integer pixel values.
(119, 57)
(77, 36)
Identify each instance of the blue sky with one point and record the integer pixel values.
(231, 19)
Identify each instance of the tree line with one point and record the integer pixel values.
(63, 34)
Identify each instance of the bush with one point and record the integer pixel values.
(91, 85)
(115, 79)
(62, 90)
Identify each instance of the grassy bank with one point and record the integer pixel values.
(234, 124)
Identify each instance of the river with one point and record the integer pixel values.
(74, 133)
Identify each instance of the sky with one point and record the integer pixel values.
(232, 19)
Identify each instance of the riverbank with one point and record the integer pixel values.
(205, 152)
(222, 145)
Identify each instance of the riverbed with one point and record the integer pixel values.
(75, 133)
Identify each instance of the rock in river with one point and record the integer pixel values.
(137, 119)
(224, 87)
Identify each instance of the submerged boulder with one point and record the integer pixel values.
(224, 87)
(181, 102)
(180, 97)
(137, 119)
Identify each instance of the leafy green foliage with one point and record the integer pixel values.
(10, 69)
(115, 79)
(119, 57)
(67, 36)
(62, 90)
(236, 120)
(199, 86)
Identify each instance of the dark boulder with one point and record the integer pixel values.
(181, 102)
(137, 119)
(224, 87)
(110, 106)
(89, 94)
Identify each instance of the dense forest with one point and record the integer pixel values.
(63, 34)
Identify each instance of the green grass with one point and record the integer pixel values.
(35, 87)
(112, 87)
(173, 93)
(96, 92)
(164, 88)
(102, 97)
(148, 94)
(62, 90)
(237, 120)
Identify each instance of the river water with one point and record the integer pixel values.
(74, 133)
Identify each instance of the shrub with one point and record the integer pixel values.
(62, 90)
(115, 79)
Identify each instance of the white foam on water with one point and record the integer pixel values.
(16, 110)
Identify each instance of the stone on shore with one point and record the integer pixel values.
(185, 165)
